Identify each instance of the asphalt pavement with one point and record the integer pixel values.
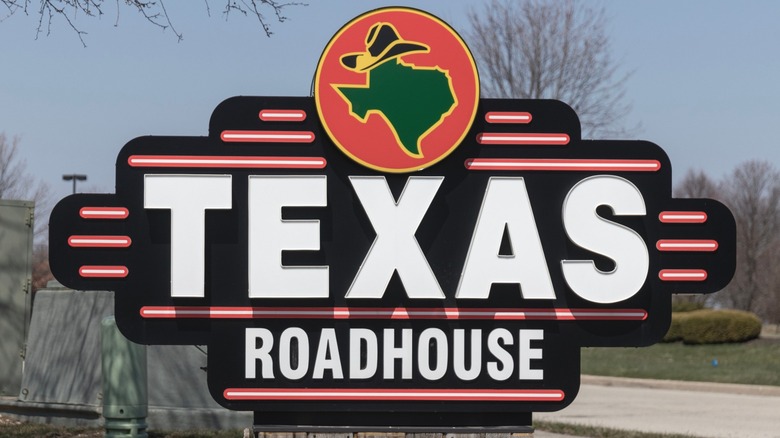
(542, 434)
(692, 408)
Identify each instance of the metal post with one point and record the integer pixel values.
(125, 392)
(74, 177)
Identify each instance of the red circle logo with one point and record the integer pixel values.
(396, 89)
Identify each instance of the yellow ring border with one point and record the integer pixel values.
(346, 27)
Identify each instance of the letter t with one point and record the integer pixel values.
(188, 197)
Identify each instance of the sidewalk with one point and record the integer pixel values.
(726, 388)
(694, 408)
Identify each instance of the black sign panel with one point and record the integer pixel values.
(502, 353)
(351, 260)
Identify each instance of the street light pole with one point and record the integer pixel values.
(74, 177)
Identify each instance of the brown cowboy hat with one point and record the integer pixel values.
(382, 43)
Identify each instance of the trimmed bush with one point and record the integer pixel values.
(675, 330)
(713, 327)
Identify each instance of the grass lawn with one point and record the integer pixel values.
(598, 432)
(15, 429)
(756, 362)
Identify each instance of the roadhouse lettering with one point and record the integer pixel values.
(430, 354)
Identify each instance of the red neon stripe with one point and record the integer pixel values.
(99, 241)
(508, 117)
(267, 136)
(686, 245)
(509, 138)
(682, 275)
(104, 213)
(547, 164)
(389, 313)
(103, 271)
(274, 115)
(682, 217)
(199, 161)
(507, 395)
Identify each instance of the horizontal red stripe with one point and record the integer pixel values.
(103, 271)
(688, 245)
(508, 117)
(267, 136)
(508, 138)
(682, 217)
(389, 313)
(202, 161)
(548, 164)
(274, 115)
(99, 241)
(508, 395)
(682, 275)
(104, 213)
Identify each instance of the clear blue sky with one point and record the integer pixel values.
(705, 82)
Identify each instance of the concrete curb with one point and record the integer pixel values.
(726, 388)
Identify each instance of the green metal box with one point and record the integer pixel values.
(16, 239)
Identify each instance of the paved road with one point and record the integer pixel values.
(542, 434)
(698, 409)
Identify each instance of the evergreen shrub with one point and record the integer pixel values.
(709, 326)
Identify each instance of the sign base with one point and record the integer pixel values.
(345, 422)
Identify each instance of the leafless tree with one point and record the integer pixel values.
(696, 184)
(769, 301)
(753, 194)
(17, 183)
(154, 11)
(534, 49)
(41, 272)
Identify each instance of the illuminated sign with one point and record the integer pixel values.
(375, 252)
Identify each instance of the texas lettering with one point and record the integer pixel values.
(395, 249)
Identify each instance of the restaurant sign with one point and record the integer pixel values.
(394, 251)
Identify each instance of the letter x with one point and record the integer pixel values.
(395, 247)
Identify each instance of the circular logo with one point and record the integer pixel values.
(396, 89)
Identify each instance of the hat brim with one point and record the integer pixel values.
(364, 61)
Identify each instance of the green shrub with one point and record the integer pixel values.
(716, 326)
(675, 330)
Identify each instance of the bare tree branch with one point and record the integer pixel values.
(159, 19)
(696, 184)
(535, 49)
(41, 272)
(154, 11)
(254, 8)
(17, 183)
(753, 194)
(14, 181)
